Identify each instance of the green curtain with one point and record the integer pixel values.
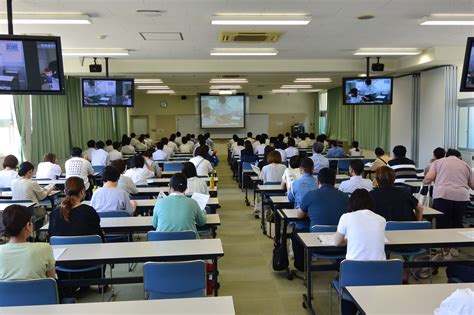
(316, 113)
(121, 126)
(21, 106)
(340, 118)
(372, 126)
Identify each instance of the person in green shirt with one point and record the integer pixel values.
(20, 259)
(177, 212)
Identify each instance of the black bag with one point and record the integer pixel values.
(280, 260)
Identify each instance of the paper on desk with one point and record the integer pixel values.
(328, 239)
(161, 195)
(201, 199)
(256, 170)
(57, 252)
(469, 234)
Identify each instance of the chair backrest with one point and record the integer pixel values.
(113, 214)
(323, 228)
(246, 166)
(171, 236)
(248, 158)
(272, 183)
(72, 240)
(373, 272)
(98, 168)
(407, 225)
(173, 166)
(28, 292)
(172, 280)
(14, 201)
(343, 165)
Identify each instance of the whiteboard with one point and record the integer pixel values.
(255, 123)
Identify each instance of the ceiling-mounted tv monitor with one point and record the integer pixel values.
(467, 79)
(363, 91)
(222, 111)
(31, 65)
(103, 92)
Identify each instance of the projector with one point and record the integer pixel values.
(378, 67)
(95, 68)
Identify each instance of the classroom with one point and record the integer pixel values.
(237, 157)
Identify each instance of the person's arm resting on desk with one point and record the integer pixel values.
(340, 236)
(303, 211)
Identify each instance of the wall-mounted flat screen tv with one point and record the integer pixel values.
(102, 92)
(363, 91)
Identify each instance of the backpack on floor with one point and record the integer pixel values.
(280, 260)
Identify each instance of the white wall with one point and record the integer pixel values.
(402, 114)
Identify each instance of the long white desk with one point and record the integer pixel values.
(167, 180)
(3, 206)
(157, 189)
(403, 299)
(150, 203)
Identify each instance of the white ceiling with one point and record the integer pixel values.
(333, 33)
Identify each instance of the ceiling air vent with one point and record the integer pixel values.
(250, 36)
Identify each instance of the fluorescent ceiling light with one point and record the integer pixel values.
(296, 86)
(284, 91)
(448, 19)
(260, 19)
(223, 92)
(160, 92)
(228, 80)
(362, 75)
(153, 87)
(148, 81)
(244, 52)
(313, 80)
(387, 51)
(95, 52)
(309, 90)
(46, 18)
(225, 87)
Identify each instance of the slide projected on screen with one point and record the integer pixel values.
(222, 111)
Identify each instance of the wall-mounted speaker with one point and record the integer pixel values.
(260, 97)
(184, 97)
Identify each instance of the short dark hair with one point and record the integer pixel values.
(361, 199)
(91, 144)
(318, 147)
(327, 176)
(357, 166)
(133, 135)
(178, 134)
(100, 144)
(137, 161)
(385, 177)
(249, 134)
(240, 142)
(164, 140)
(295, 161)
(307, 165)
(189, 170)
(355, 144)
(24, 168)
(76, 152)
(49, 157)
(10, 161)
(202, 150)
(287, 134)
(453, 152)
(159, 146)
(379, 151)
(399, 151)
(248, 145)
(291, 142)
(184, 140)
(179, 182)
(110, 174)
(108, 142)
(116, 145)
(119, 164)
(15, 217)
(439, 153)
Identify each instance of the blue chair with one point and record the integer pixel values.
(322, 229)
(173, 280)
(408, 225)
(170, 236)
(115, 238)
(367, 273)
(98, 168)
(28, 292)
(172, 167)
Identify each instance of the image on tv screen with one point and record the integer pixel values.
(467, 81)
(222, 111)
(371, 91)
(107, 92)
(30, 65)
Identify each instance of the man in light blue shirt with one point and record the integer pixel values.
(335, 151)
(319, 161)
(177, 212)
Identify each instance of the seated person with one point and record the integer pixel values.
(108, 146)
(159, 154)
(24, 188)
(150, 164)
(186, 146)
(319, 160)
(236, 151)
(177, 212)
(292, 173)
(80, 167)
(304, 184)
(203, 166)
(335, 151)
(247, 154)
(20, 259)
(323, 206)
(109, 197)
(255, 142)
(100, 157)
(404, 168)
(133, 139)
(355, 151)
(263, 161)
(140, 146)
(168, 148)
(72, 218)
(356, 168)
(172, 144)
(381, 159)
(438, 154)
(363, 231)
(259, 149)
(394, 203)
(87, 154)
(273, 171)
(279, 148)
(137, 172)
(195, 184)
(305, 142)
(115, 154)
(127, 148)
(291, 150)
(125, 183)
(49, 168)
(10, 164)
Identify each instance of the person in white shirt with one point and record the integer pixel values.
(203, 166)
(249, 137)
(260, 148)
(24, 188)
(127, 148)
(273, 171)
(172, 144)
(115, 154)
(195, 184)
(208, 140)
(256, 143)
(87, 154)
(355, 151)
(292, 173)
(291, 150)
(240, 146)
(141, 146)
(159, 154)
(49, 167)
(166, 147)
(137, 172)
(10, 163)
(231, 142)
(178, 139)
(79, 167)
(305, 143)
(125, 183)
(279, 149)
(148, 141)
(286, 138)
(356, 167)
(108, 146)
(133, 140)
(150, 164)
(111, 198)
(100, 157)
(186, 145)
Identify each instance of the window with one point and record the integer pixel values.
(323, 111)
(10, 142)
